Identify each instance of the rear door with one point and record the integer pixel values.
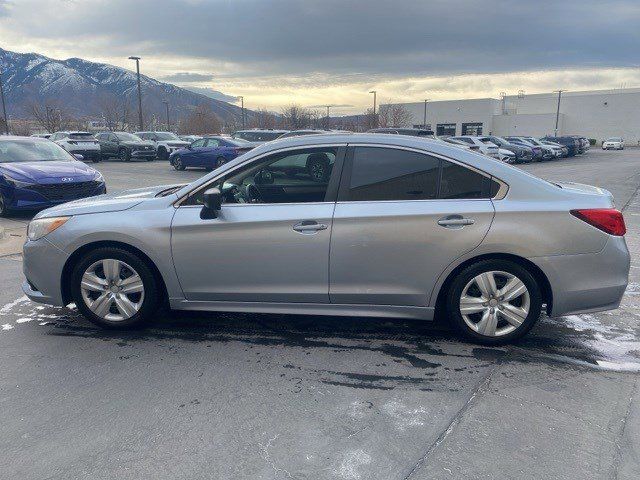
(401, 218)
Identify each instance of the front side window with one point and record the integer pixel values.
(297, 176)
(198, 143)
(212, 142)
(379, 174)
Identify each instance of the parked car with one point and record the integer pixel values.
(506, 156)
(414, 132)
(209, 153)
(613, 143)
(79, 143)
(564, 151)
(258, 136)
(523, 153)
(541, 152)
(572, 144)
(298, 133)
(584, 143)
(502, 247)
(190, 138)
(489, 149)
(164, 142)
(554, 151)
(42, 135)
(125, 146)
(36, 173)
(459, 143)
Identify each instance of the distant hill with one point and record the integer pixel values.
(83, 87)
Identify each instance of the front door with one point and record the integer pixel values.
(401, 218)
(270, 240)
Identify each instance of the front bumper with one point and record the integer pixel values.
(29, 199)
(143, 154)
(588, 282)
(87, 154)
(42, 266)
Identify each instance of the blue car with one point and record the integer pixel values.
(36, 173)
(209, 152)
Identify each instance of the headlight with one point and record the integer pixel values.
(16, 183)
(44, 226)
(98, 177)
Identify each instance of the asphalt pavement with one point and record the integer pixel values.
(238, 396)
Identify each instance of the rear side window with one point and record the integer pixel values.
(379, 174)
(391, 174)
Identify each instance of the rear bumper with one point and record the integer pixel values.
(588, 282)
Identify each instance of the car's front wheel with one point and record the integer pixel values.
(177, 163)
(124, 154)
(494, 301)
(4, 210)
(114, 288)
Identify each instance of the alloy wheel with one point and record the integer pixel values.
(112, 290)
(317, 171)
(495, 303)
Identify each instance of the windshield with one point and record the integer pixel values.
(614, 139)
(13, 151)
(533, 141)
(81, 136)
(166, 136)
(128, 137)
(237, 142)
(257, 136)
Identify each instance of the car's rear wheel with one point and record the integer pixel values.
(177, 163)
(494, 301)
(114, 288)
(220, 161)
(318, 170)
(124, 154)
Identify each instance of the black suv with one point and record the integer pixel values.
(125, 146)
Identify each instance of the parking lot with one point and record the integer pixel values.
(276, 397)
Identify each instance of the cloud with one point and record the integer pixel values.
(302, 46)
(187, 77)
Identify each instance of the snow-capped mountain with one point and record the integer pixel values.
(83, 87)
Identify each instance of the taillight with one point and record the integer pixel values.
(609, 220)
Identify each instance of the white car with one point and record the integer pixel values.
(165, 142)
(507, 156)
(488, 148)
(78, 143)
(613, 143)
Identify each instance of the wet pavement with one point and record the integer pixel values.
(276, 397)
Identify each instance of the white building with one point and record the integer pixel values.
(595, 114)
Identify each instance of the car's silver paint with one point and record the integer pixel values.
(586, 268)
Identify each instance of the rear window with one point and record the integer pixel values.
(257, 136)
(81, 136)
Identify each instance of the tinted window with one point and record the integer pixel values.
(460, 182)
(212, 142)
(392, 174)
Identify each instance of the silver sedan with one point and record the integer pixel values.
(362, 224)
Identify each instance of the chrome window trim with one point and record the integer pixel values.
(501, 193)
(179, 202)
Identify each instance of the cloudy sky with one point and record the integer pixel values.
(314, 52)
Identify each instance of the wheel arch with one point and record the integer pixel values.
(67, 270)
(538, 274)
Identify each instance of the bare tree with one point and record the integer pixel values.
(115, 111)
(263, 118)
(369, 119)
(296, 117)
(51, 116)
(202, 120)
(394, 116)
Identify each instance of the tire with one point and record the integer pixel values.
(97, 159)
(523, 309)
(163, 154)
(124, 154)
(318, 170)
(220, 161)
(4, 210)
(140, 305)
(177, 163)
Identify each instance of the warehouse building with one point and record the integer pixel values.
(597, 114)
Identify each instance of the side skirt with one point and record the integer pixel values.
(350, 310)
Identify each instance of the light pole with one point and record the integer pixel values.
(375, 118)
(424, 121)
(241, 97)
(137, 59)
(558, 112)
(166, 104)
(4, 108)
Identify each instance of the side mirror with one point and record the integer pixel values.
(78, 156)
(212, 203)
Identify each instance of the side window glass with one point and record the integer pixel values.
(392, 174)
(212, 142)
(297, 176)
(198, 143)
(460, 182)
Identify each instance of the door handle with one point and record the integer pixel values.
(309, 226)
(455, 221)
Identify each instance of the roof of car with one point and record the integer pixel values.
(20, 137)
